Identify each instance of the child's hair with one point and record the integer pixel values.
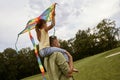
(40, 23)
(51, 39)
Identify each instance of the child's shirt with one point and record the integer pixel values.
(44, 40)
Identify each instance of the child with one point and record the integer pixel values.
(43, 38)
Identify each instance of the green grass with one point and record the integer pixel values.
(35, 77)
(96, 67)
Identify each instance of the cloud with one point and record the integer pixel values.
(71, 15)
(13, 18)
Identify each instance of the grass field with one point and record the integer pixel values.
(96, 67)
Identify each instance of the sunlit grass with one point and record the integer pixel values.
(96, 67)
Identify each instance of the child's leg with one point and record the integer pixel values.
(45, 52)
(73, 69)
(49, 50)
(70, 62)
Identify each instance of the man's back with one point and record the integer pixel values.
(56, 66)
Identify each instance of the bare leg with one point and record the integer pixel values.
(75, 70)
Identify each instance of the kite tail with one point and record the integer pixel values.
(38, 58)
(54, 31)
(16, 44)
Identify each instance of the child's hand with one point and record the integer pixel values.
(53, 13)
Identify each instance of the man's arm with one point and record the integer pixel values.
(69, 57)
(63, 65)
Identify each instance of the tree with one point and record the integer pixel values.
(10, 64)
(27, 63)
(107, 33)
(3, 71)
(82, 43)
(65, 45)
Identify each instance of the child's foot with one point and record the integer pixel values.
(75, 70)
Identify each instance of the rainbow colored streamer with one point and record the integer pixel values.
(46, 15)
(37, 56)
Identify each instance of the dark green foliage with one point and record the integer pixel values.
(103, 37)
(16, 66)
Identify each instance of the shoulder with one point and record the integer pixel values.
(56, 55)
(44, 30)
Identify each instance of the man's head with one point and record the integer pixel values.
(54, 41)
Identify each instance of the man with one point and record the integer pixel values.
(56, 64)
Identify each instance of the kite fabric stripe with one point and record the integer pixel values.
(37, 56)
(46, 15)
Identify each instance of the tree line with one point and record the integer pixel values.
(103, 37)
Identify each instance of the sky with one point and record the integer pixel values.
(71, 15)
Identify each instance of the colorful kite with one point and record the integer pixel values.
(46, 15)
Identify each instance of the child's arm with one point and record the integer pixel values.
(52, 24)
(38, 33)
(53, 21)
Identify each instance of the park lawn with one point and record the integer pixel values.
(96, 67)
(35, 77)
